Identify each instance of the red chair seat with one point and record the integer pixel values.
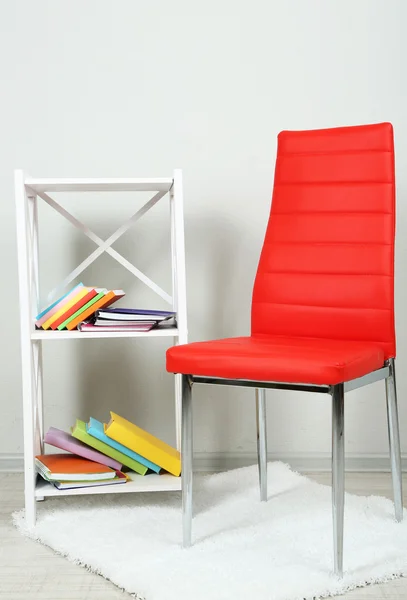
(281, 359)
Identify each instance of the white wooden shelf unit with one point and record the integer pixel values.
(29, 191)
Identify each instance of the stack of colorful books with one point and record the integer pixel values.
(75, 306)
(116, 445)
(72, 472)
(128, 319)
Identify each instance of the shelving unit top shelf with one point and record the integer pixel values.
(157, 184)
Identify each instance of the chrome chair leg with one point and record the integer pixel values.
(186, 458)
(338, 474)
(261, 441)
(394, 440)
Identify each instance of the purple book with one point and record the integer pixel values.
(138, 311)
(65, 441)
(134, 314)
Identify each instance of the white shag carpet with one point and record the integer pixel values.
(243, 549)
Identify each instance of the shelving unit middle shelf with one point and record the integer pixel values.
(81, 335)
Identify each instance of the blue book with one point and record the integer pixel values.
(44, 312)
(96, 429)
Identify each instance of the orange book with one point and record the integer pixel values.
(104, 302)
(81, 302)
(68, 467)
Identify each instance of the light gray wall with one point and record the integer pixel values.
(133, 88)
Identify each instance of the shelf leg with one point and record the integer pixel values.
(30, 429)
(39, 410)
(29, 481)
(178, 283)
(25, 271)
(29, 433)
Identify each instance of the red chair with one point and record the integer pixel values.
(323, 298)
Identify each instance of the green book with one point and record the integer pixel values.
(82, 309)
(79, 432)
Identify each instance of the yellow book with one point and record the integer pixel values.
(144, 443)
(83, 291)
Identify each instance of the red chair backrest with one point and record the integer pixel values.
(326, 269)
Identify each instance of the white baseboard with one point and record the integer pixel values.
(11, 463)
(302, 462)
(223, 461)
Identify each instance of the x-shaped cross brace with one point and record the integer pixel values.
(105, 245)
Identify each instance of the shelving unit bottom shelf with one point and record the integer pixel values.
(138, 483)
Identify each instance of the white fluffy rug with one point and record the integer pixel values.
(243, 549)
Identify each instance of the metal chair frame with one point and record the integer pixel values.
(337, 392)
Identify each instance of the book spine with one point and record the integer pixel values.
(43, 315)
(150, 451)
(127, 460)
(91, 294)
(123, 449)
(57, 306)
(101, 446)
(82, 313)
(66, 305)
(85, 452)
(108, 299)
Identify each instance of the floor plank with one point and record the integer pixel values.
(30, 570)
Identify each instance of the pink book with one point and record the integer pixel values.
(89, 327)
(56, 307)
(65, 441)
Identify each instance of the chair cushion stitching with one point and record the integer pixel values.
(289, 272)
(319, 305)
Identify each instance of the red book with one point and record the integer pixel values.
(84, 300)
(108, 299)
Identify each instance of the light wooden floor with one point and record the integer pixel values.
(28, 570)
